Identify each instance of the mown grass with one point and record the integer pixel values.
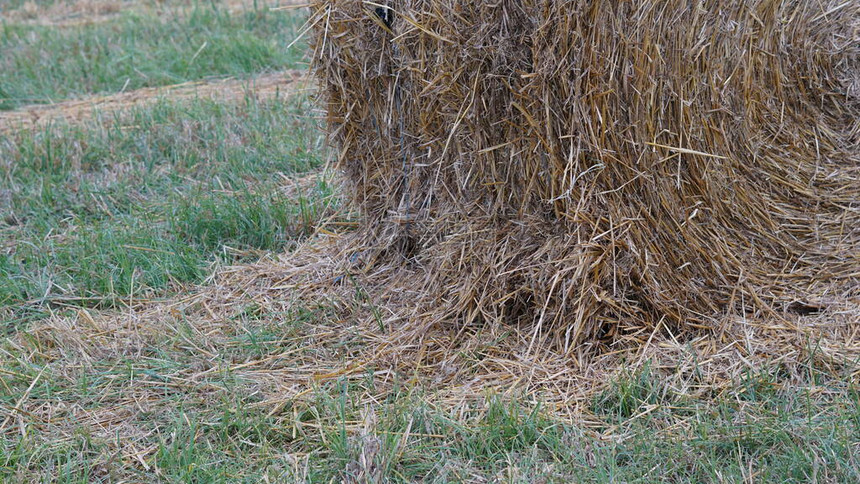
(46, 64)
(135, 204)
(196, 420)
(100, 211)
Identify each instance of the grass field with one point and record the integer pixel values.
(125, 357)
(44, 64)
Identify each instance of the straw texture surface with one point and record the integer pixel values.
(590, 170)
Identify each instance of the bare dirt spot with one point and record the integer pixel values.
(263, 86)
(82, 12)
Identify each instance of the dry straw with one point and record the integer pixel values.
(598, 171)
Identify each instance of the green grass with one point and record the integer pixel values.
(98, 212)
(790, 436)
(213, 429)
(46, 64)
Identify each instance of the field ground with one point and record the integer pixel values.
(71, 13)
(162, 177)
(262, 86)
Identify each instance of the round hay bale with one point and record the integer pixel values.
(593, 168)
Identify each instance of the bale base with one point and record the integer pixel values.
(604, 168)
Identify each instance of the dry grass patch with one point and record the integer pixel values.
(71, 13)
(317, 362)
(68, 12)
(229, 90)
(367, 323)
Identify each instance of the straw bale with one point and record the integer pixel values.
(590, 169)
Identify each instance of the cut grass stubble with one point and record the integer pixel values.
(191, 398)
